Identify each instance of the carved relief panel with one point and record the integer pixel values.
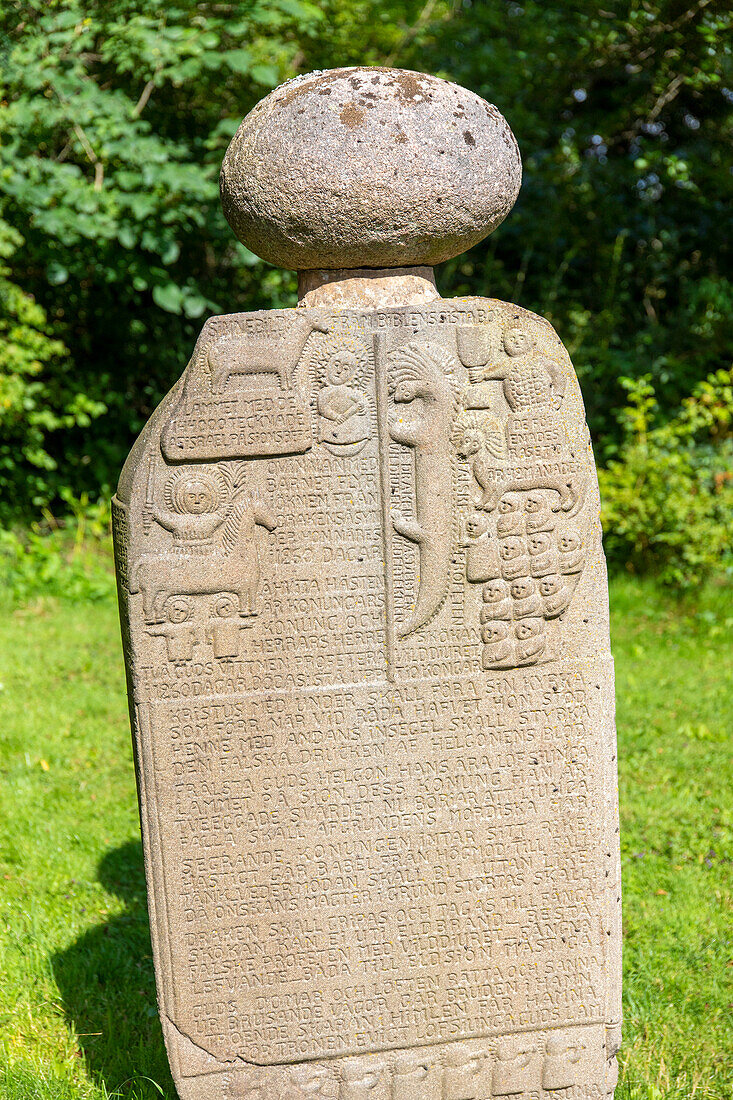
(366, 627)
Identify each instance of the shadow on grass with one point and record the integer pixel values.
(108, 988)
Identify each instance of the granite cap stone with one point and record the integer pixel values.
(368, 167)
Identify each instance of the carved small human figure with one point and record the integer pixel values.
(526, 599)
(498, 650)
(556, 593)
(497, 601)
(482, 551)
(416, 1078)
(515, 342)
(514, 559)
(572, 554)
(542, 554)
(467, 1076)
(224, 629)
(513, 1069)
(510, 520)
(531, 640)
(179, 633)
(248, 1085)
(343, 409)
(538, 516)
(365, 1079)
(308, 1082)
(560, 1069)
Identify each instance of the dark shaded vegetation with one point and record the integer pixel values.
(115, 116)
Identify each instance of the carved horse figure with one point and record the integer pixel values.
(425, 403)
(237, 353)
(230, 563)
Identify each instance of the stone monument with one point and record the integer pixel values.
(365, 621)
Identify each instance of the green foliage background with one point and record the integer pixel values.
(114, 117)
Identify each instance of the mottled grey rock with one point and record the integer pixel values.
(368, 167)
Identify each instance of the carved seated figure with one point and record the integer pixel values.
(343, 408)
(179, 632)
(514, 560)
(542, 554)
(482, 554)
(527, 603)
(556, 593)
(467, 1077)
(417, 1078)
(513, 1069)
(498, 651)
(538, 516)
(510, 520)
(531, 640)
(365, 1079)
(572, 555)
(560, 1067)
(497, 602)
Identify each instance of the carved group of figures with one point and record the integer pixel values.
(524, 544)
(531, 1064)
(522, 538)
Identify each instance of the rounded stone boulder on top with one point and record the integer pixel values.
(365, 621)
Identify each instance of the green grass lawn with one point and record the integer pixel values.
(77, 1000)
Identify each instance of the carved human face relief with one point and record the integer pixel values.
(476, 525)
(342, 367)
(196, 496)
(516, 342)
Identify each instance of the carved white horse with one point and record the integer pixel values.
(230, 564)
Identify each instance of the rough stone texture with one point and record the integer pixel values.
(367, 288)
(365, 621)
(372, 698)
(368, 167)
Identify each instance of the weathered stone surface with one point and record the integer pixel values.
(368, 167)
(365, 620)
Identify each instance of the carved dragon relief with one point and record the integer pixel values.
(424, 405)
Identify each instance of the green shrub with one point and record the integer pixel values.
(668, 492)
(71, 560)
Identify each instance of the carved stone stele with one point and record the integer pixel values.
(365, 620)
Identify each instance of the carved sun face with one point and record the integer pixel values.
(196, 497)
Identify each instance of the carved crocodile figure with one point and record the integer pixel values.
(424, 407)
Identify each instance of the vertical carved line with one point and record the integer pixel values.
(380, 384)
